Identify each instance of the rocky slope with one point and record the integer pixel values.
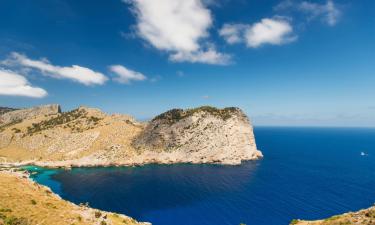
(24, 202)
(362, 217)
(45, 136)
(203, 134)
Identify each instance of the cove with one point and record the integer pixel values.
(307, 173)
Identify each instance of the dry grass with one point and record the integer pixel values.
(362, 217)
(113, 130)
(26, 202)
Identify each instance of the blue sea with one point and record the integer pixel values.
(306, 173)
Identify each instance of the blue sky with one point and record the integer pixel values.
(287, 62)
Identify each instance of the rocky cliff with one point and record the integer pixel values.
(204, 134)
(88, 137)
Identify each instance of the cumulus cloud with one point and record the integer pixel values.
(76, 73)
(274, 31)
(176, 26)
(13, 84)
(327, 12)
(269, 31)
(125, 75)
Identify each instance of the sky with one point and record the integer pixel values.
(285, 62)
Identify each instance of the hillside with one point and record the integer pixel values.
(24, 202)
(46, 136)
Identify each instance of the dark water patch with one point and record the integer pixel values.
(307, 173)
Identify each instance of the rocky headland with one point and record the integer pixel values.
(45, 136)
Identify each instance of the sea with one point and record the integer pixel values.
(306, 173)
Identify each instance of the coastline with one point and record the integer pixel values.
(83, 164)
(47, 206)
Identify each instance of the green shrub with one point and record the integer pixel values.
(175, 115)
(294, 221)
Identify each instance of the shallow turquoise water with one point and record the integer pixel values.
(307, 173)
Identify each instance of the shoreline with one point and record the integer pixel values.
(43, 199)
(70, 164)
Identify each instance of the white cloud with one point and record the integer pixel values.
(13, 84)
(232, 33)
(125, 76)
(275, 31)
(327, 12)
(209, 56)
(76, 73)
(269, 31)
(176, 26)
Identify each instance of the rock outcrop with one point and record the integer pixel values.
(204, 134)
(89, 137)
(21, 114)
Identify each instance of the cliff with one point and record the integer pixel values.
(25, 202)
(88, 137)
(204, 134)
(363, 217)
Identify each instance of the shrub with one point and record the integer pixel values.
(98, 214)
(174, 115)
(294, 221)
(16, 130)
(33, 202)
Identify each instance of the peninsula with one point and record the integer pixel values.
(46, 136)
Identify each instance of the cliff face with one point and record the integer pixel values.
(21, 114)
(89, 137)
(203, 134)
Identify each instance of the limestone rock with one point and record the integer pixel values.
(204, 134)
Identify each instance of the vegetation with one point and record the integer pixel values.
(176, 115)
(64, 119)
(98, 214)
(14, 122)
(16, 130)
(5, 110)
(363, 217)
(294, 222)
(11, 220)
